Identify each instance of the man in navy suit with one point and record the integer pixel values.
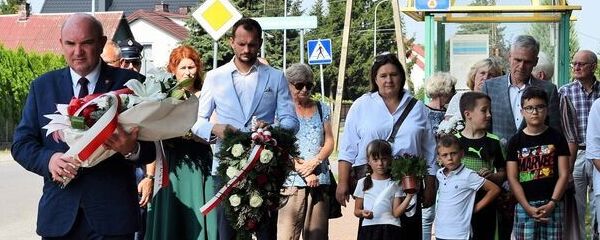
(100, 202)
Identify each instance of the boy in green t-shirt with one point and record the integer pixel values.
(483, 155)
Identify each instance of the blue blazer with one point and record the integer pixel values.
(106, 192)
(503, 121)
(218, 96)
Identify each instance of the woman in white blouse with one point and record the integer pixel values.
(372, 116)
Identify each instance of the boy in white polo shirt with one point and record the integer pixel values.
(456, 192)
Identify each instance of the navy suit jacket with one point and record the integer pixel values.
(106, 192)
(503, 121)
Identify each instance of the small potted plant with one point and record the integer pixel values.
(408, 169)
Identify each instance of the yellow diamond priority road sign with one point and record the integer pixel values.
(216, 17)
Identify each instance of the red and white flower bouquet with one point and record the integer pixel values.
(160, 107)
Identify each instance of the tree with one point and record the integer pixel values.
(203, 43)
(360, 46)
(10, 6)
(495, 32)
(543, 33)
(17, 69)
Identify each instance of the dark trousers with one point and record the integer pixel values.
(82, 230)
(267, 229)
(484, 221)
(139, 176)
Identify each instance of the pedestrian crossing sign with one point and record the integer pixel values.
(319, 51)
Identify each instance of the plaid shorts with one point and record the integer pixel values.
(526, 228)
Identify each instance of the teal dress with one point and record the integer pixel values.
(174, 212)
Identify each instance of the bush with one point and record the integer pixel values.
(17, 70)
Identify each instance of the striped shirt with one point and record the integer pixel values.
(582, 101)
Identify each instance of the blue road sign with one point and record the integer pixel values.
(319, 51)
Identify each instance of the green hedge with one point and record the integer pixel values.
(17, 70)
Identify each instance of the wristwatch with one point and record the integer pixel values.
(151, 177)
(554, 200)
(129, 155)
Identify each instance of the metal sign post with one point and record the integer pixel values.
(319, 52)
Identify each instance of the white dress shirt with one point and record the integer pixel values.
(593, 141)
(515, 93)
(245, 86)
(92, 77)
(369, 119)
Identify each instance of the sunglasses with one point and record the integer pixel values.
(301, 85)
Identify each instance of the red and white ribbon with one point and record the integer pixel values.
(226, 190)
(94, 137)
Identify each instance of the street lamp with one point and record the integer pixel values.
(375, 27)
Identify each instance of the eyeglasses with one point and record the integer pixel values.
(300, 85)
(579, 64)
(538, 108)
(126, 62)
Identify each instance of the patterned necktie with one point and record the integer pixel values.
(83, 91)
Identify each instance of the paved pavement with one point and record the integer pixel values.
(20, 191)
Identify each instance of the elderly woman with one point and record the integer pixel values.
(374, 116)
(306, 210)
(439, 89)
(174, 211)
(480, 71)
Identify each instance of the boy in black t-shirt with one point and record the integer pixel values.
(483, 155)
(537, 170)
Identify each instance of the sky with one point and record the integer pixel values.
(589, 36)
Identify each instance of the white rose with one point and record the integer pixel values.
(231, 172)
(266, 156)
(235, 200)
(237, 150)
(255, 201)
(243, 162)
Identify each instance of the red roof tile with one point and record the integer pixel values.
(41, 32)
(162, 20)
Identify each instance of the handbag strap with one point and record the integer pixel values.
(405, 113)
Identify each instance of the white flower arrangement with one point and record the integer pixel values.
(451, 126)
(255, 200)
(232, 171)
(266, 156)
(237, 150)
(235, 200)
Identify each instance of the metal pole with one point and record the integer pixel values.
(215, 49)
(322, 84)
(262, 47)
(301, 45)
(93, 7)
(375, 29)
(284, 35)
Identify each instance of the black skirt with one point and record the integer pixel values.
(380, 232)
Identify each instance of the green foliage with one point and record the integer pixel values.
(263, 181)
(542, 33)
(408, 165)
(331, 23)
(17, 70)
(360, 46)
(9, 6)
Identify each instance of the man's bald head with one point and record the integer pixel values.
(82, 39)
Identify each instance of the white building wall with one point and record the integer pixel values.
(161, 41)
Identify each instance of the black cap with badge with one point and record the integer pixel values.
(130, 49)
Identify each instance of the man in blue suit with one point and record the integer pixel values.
(505, 92)
(237, 91)
(100, 202)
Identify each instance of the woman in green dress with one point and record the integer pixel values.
(185, 183)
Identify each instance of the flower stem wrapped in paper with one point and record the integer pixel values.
(159, 107)
(255, 166)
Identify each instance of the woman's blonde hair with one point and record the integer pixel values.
(494, 68)
(439, 84)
